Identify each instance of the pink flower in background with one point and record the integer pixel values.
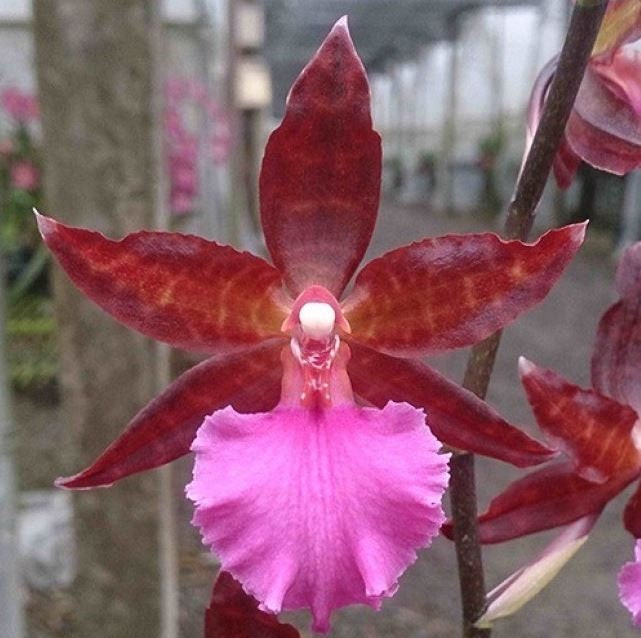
(630, 585)
(25, 176)
(183, 145)
(19, 105)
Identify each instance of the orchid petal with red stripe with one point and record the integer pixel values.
(180, 289)
(165, 429)
(320, 178)
(453, 291)
(552, 496)
(592, 429)
(457, 417)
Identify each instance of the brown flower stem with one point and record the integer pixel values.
(584, 26)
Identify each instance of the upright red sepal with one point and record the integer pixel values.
(320, 178)
(453, 291)
(180, 289)
(456, 416)
(234, 614)
(165, 429)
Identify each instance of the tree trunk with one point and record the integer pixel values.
(96, 64)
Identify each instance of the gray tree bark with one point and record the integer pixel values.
(96, 65)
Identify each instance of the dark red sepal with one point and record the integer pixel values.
(592, 429)
(549, 497)
(181, 289)
(320, 178)
(456, 416)
(164, 429)
(234, 614)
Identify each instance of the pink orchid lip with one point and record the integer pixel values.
(335, 504)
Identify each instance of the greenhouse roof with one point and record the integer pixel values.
(383, 31)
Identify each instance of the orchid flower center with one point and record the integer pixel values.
(315, 345)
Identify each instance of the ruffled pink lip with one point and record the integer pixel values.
(318, 505)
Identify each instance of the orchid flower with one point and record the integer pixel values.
(308, 498)
(604, 128)
(598, 429)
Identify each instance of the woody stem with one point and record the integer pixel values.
(582, 31)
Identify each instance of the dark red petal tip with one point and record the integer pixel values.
(320, 178)
(234, 614)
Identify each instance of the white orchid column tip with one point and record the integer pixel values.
(317, 319)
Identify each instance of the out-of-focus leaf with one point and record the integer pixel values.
(180, 289)
(621, 23)
(166, 427)
(453, 291)
(320, 179)
(234, 614)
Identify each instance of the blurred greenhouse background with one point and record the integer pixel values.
(450, 81)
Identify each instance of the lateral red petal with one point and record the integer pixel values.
(632, 514)
(453, 291)
(180, 289)
(552, 496)
(603, 129)
(234, 614)
(320, 178)
(592, 429)
(456, 416)
(616, 360)
(164, 429)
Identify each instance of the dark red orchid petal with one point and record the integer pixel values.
(603, 129)
(566, 164)
(456, 416)
(320, 179)
(592, 429)
(616, 361)
(234, 614)
(180, 289)
(549, 497)
(164, 429)
(453, 291)
(628, 277)
(632, 514)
